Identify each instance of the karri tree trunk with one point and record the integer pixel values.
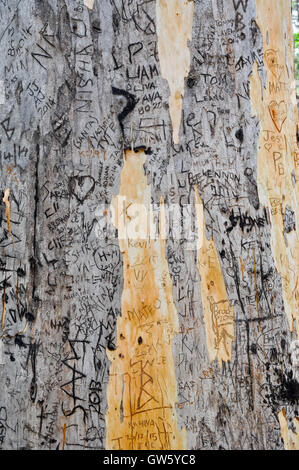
(149, 249)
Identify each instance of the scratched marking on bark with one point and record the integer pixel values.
(142, 389)
(174, 29)
(218, 315)
(278, 151)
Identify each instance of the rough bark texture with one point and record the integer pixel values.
(138, 343)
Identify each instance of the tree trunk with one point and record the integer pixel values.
(149, 245)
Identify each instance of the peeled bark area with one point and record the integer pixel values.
(121, 326)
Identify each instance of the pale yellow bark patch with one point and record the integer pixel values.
(174, 29)
(218, 314)
(290, 438)
(7, 208)
(278, 156)
(89, 4)
(142, 388)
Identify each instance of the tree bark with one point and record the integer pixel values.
(149, 245)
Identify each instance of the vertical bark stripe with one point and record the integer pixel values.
(218, 314)
(278, 157)
(142, 389)
(174, 29)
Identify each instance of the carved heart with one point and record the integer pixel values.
(107, 257)
(271, 57)
(81, 187)
(268, 146)
(278, 113)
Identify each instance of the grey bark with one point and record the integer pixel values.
(68, 74)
